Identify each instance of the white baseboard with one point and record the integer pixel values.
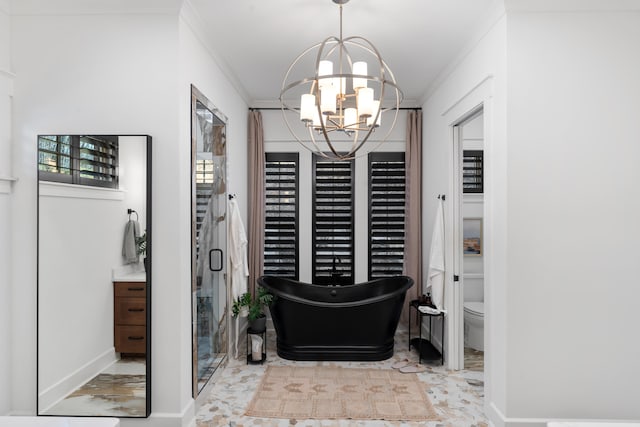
(82, 375)
(186, 418)
(498, 419)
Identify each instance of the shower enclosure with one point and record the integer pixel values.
(209, 239)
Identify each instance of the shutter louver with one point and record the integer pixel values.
(333, 232)
(281, 216)
(386, 214)
(472, 171)
(79, 159)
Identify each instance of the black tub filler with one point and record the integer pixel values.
(353, 322)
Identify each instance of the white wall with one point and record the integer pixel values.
(574, 103)
(121, 77)
(573, 100)
(278, 139)
(113, 74)
(6, 83)
(478, 79)
(75, 293)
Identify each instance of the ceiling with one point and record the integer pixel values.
(256, 40)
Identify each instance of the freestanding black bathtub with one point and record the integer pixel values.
(353, 322)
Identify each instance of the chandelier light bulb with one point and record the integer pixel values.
(376, 107)
(325, 68)
(365, 102)
(307, 107)
(359, 68)
(350, 118)
(340, 84)
(328, 95)
(316, 118)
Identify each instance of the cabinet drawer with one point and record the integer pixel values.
(130, 311)
(130, 339)
(130, 289)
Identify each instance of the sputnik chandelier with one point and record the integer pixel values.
(342, 98)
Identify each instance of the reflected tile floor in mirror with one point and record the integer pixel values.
(457, 396)
(117, 391)
(473, 359)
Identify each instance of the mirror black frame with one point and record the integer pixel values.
(149, 269)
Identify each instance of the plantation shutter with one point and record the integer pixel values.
(333, 218)
(386, 214)
(204, 181)
(79, 159)
(281, 216)
(472, 171)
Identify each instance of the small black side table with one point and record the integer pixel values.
(426, 349)
(262, 332)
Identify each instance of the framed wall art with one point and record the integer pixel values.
(472, 236)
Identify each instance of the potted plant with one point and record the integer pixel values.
(253, 308)
(241, 305)
(141, 248)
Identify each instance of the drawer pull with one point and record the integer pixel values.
(136, 309)
(135, 338)
(136, 289)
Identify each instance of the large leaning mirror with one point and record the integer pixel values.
(94, 275)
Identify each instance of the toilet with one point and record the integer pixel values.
(474, 325)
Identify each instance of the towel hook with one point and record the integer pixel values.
(130, 211)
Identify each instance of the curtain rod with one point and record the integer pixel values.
(278, 108)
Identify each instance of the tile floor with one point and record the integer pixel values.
(457, 396)
(119, 390)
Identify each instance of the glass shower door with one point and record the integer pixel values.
(209, 240)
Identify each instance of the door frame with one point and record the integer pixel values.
(198, 96)
(458, 217)
(479, 97)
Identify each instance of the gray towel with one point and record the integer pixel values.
(129, 246)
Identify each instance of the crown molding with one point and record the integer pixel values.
(191, 17)
(5, 7)
(571, 5)
(484, 28)
(94, 7)
(7, 74)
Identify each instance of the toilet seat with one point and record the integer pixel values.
(474, 307)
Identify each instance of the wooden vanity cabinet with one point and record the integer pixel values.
(130, 317)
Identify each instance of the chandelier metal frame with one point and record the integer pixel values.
(355, 114)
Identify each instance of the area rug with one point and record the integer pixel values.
(324, 392)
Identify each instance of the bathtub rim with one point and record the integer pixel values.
(408, 282)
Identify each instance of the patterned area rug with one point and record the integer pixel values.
(323, 392)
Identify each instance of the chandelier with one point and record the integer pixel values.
(336, 92)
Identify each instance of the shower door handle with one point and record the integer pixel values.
(220, 263)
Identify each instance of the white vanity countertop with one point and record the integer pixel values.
(126, 274)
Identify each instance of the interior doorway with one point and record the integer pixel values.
(469, 254)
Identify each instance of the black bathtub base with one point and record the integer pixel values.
(335, 353)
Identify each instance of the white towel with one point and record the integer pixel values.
(238, 254)
(435, 276)
(428, 310)
(129, 245)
